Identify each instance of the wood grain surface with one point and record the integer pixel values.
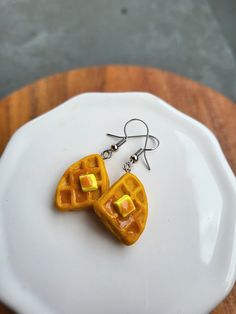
(202, 103)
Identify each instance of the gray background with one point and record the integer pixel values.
(195, 38)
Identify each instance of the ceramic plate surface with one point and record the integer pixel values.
(52, 263)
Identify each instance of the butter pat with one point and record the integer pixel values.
(88, 182)
(125, 205)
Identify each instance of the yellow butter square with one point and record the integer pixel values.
(125, 205)
(88, 182)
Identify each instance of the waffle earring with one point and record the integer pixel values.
(86, 180)
(124, 208)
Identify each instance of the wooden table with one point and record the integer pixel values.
(202, 103)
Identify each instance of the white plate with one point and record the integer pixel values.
(53, 262)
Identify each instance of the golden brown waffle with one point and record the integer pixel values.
(69, 195)
(127, 229)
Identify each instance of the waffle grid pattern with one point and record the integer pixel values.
(70, 194)
(129, 227)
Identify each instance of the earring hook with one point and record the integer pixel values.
(155, 139)
(134, 158)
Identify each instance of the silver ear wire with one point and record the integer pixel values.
(135, 157)
(106, 154)
(155, 140)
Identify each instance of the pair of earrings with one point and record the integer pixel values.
(123, 207)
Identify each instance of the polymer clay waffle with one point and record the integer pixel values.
(126, 229)
(69, 194)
